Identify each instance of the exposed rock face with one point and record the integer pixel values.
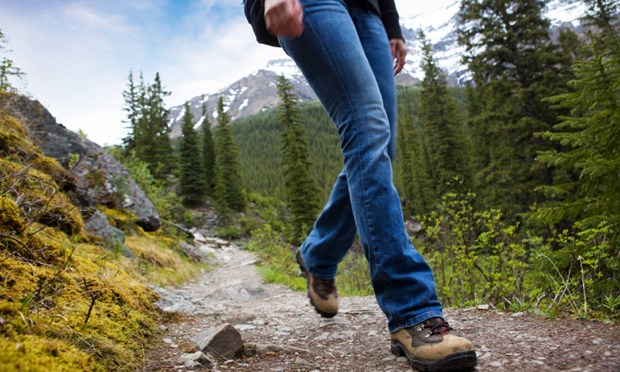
(100, 178)
(98, 224)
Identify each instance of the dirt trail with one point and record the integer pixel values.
(295, 338)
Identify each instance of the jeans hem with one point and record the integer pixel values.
(415, 320)
(312, 272)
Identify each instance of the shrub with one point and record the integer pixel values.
(474, 255)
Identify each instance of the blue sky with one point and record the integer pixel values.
(77, 53)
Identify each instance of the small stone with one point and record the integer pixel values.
(222, 342)
(607, 354)
(596, 341)
(260, 322)
(163, 328)
(167, 340)
(302, 362)
(483, 307)
(323, 336)
(518, 314)
(197, 359)
(496, 364)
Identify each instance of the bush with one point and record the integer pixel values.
(278, 259)
(577, 272)
(476, 258)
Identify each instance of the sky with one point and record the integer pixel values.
(77, 54)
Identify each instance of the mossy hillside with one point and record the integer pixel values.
(15, 146)
(42, 304)
(65, 304)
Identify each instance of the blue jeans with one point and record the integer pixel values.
(344, 54)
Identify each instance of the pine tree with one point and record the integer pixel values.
(514, 66)
(208, 151)
(162, 156)
(301, 190)
(442, 125)
(148, 119)
(587, 184)
(192, 178)
(228, 181)
(132, 107)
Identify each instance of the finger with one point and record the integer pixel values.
(399, 52)
(400, 62)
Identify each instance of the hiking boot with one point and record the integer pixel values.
(321, 292)
(434, 346)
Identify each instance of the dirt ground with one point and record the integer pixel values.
(281, 331)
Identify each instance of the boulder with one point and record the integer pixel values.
(100, 178)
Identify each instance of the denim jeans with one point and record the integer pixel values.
(344, 53)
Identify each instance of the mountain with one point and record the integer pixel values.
(257, 91)
(246, 96)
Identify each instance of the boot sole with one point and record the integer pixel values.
(461, 361)
(304, 274)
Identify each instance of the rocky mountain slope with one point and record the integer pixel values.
(257, 91)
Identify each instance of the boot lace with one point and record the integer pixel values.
(437, 326)
(326, 286)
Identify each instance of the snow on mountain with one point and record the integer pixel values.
(439, 19)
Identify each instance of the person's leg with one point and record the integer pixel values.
(334, 231)
(333, 60)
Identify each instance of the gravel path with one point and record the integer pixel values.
(292, 337)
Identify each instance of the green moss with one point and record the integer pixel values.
(120, 218)
(34, 353)
(53, 304)
(9, 215)
(49, 283)
(40, 197)
(12, 135)
(15, 145)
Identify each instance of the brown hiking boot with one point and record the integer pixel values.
(434, 346)
(321, 292)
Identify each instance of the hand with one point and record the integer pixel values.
(399, 52)
(284, 17)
